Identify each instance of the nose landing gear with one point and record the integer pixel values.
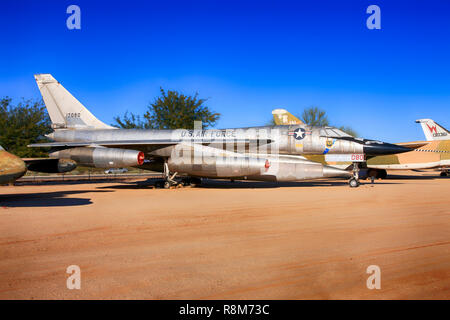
(354, 180)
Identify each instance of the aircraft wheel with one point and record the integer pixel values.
(167, 185)
(186, 182)
(373, 173)
(158, 184)
(195, 182)
(443, 174)
(353, 183)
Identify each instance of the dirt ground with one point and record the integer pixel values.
(241, 240)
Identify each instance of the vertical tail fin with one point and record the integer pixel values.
(283, 117)
(433, 131)
(65, 111)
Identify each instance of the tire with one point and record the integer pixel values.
(166, 185)
(195, 182)
(443, 174)
(353, 183)
(158, 184)
(373, 173)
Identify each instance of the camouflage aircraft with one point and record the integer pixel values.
(431, 154)
(11, 167)
(269, 153)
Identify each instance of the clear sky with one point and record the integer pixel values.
(247, 57)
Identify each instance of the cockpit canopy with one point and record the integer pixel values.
(333, 132)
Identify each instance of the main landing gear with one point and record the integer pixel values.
(169, 180)
(444, 173)
(354, 180)
(377, 173)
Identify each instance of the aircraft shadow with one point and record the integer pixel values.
(410, 177)
(65, 182)
(146, 184)
(240, 184)
(45, 199)
(218, 184)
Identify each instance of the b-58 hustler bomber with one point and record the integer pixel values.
(269, 153)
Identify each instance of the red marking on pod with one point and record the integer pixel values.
(267, 164)
(141, 158)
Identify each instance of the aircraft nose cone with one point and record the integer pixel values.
(382, 148)
(329, 172)
(11, 167)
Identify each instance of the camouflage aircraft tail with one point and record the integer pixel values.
(283, 117)
(65, 111)
(433, 131)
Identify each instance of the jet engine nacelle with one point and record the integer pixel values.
(100, 157)
(290, 168)
(199, 160)
(220, 167)
(51, 165)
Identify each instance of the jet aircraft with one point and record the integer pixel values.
(434, 153)
(268, 153)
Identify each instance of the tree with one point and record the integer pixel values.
(349, 131)
(171, 110)
(314, 116)
(23, 124)
(131, 121)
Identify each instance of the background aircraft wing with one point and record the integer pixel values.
(413, 144)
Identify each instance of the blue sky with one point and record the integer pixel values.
(247, 57)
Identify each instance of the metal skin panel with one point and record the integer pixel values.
(11, 167)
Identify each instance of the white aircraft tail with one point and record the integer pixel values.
(433, 131)
(65, 111)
